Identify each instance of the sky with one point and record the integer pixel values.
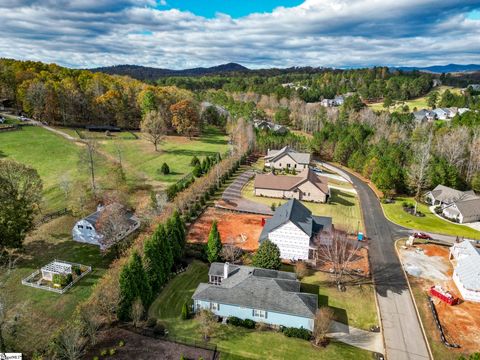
(180, 34)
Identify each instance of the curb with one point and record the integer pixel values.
(414, 301)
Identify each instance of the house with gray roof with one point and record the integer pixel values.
(268, 125)
(287, 157)
(466, 273)
(424, 115)
(463, 211)
(444, 195)
(294, 230)
(87, 230)
(268, 296)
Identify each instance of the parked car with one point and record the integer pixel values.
(22, 118)
(420, 235)
(317, 170)
(2, 120)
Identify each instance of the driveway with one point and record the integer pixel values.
(232, 197)
(402, 331)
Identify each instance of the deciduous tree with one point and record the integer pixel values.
(154, 126)
(323, 321)
(185, 117)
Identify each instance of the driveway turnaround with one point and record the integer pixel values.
(402, 330)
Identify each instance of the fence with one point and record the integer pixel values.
(28, 279)
(51, 216)
(439, 325)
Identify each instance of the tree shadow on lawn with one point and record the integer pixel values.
(340, 314)
(2, 154)
(341, 199)
(192, 153)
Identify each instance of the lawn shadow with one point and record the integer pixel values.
(184, 152)
(2, 154)
(341, 198)
(340, 314)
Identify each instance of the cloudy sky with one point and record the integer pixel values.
(256, 33)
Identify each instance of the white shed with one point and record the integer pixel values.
(55, 268)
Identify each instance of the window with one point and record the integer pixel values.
(80, 226)
(89, 228)
(288, 165)
(214, 306)
(260, 313)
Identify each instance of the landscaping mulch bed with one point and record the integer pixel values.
(141, 347)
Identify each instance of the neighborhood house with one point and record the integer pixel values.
(466, 273)
(294, 229)
(287, 158)
(268, 125)
(268, 296)
(456, 205)
(87, 230)
(307, 186)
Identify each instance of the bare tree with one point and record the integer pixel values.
(70, 343)
(113, 222)
(453, 146)
(230, 252)
(301, 269)
(206, 320)
(338, 252)
(90, 321)
(323, 321)
(137, 312)
(89, 159)
(473, 165)
(418, 170)
(154, 126)
(66, 186)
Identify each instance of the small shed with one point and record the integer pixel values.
(55, 268)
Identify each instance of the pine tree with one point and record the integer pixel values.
(165, 251)
(214, 245)
(267, 256)
(195, 161)
(154, 262)
(127, 293)
(173, 236)
(197, 170)
(185, 311)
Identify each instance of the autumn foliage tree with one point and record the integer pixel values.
(185, 118)
(154, 126)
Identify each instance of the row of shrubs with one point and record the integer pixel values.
(299, 333)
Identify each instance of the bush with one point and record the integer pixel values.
(185, 314)
(197, 171)
(273, 206)
(121, 343)
(165, 170)
(300, 333)
(95, 358)
(112, 352)
(247, 323)
(104, 352)
(151, 322)
(76, 269)
(159, 329)
(194, 161)
(62, 280)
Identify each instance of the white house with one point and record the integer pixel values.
(287, 158)
(466, 273)
(463, 211)
(293, 229)
(86, 230)
(444, 195)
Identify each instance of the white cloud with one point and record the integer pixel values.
(88, 33)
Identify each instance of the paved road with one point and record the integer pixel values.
(401, 327)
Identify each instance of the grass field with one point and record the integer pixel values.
(430, 222)
(46, 311)
(139, 156)
(234, 342)
(419, 103)
(53, 156)
(343, 207)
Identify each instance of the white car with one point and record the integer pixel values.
(23, 118)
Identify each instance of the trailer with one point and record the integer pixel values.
(444, 295)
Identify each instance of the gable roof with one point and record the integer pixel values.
(449, 195)
(467, 267)
(262, 289)
(299, 158)
(469, 207)
(288, 183)
(94, 217)
(294, 211)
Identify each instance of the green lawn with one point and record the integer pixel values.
(343, 207)
(53, 156)
(430, 222)
(46, 311)
(419, 103)
(234, 342)
(140, 157)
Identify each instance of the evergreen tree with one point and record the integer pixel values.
(166, 250)
(197, 170)
(173, 236)
(165, 169)
(154, 262)
(267, 256)
(127, 293)
(214, 245)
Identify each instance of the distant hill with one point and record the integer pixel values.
(438, 69)
(152, 74)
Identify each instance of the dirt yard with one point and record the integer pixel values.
(358, 265)
(461, 322)
(242, 230)
(142, 347)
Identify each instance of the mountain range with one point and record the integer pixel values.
(151, 73)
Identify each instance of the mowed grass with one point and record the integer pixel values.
(355, 307)
(235, 342)
(140, 157)
(54, 157)
(430, 222)
(419, 103)
(45, 311)
(51, 155)
(343, 207)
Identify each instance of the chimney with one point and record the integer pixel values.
(225, 270)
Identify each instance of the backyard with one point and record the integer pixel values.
(239, 343)
(45, 311)
(343, 207)
(430, 222)
(140, 157)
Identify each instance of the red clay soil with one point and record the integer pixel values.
(242, 230)
(359, 263)
(461, 322)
